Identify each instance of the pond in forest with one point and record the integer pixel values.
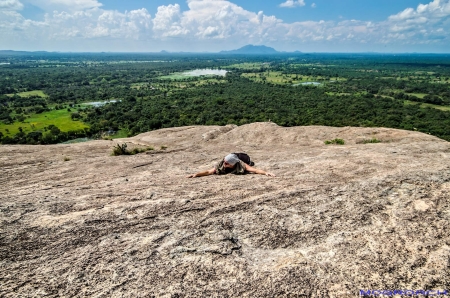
(205, 72)
(195, 73)
(308, 83)
(99, 103)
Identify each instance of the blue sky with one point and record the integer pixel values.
(214, 25)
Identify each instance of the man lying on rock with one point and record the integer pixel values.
(234, 163)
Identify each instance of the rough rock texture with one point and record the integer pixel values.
(335, 220)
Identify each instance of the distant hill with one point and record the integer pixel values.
(246, 50)
(251, 49)
(12, 52)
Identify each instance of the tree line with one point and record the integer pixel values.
(356, 90)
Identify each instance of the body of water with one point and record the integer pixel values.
(100, 103)
(308, 83)
(205, 72)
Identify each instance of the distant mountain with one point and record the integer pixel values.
(12, 52)
(246, 50)
(251, 49)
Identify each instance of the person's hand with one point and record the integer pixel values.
(192, 176)
(270, 174)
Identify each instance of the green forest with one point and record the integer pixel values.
(48, 98)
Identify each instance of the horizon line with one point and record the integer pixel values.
(221, 52)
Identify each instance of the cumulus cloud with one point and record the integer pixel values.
(211, 19)
(167, 22)
(10, 5)
(88, 24)
(132, 24)
(436, 9)
(218, 19)
(293, 3)
(422, 24)
(212, 22)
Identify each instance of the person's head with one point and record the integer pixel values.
(230, 160)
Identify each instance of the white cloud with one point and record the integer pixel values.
(313, 5)
(88, 24)
(293, 3)
(10, 5)
(167, 22)
(211, 19)
(65, 5)
(434, 10)
(132, 24)
(214, 24)
(419, 25)
(260, 17)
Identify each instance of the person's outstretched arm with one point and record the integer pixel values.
(257, 171)
(204, 173)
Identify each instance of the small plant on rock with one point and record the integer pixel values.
(373, 140)
(335, 142)
(122, 150)
(140, 150)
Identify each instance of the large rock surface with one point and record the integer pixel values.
(335, 220)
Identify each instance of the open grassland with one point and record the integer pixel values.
(277, 77)
(427, 105)
(203, 73)
(59, 118)
(122, 133)
(249, 66)
(298, 65)
(441, 80)
(39, 93)
(418, 95)
(337, 93)
(421, 78)
(175, 76)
